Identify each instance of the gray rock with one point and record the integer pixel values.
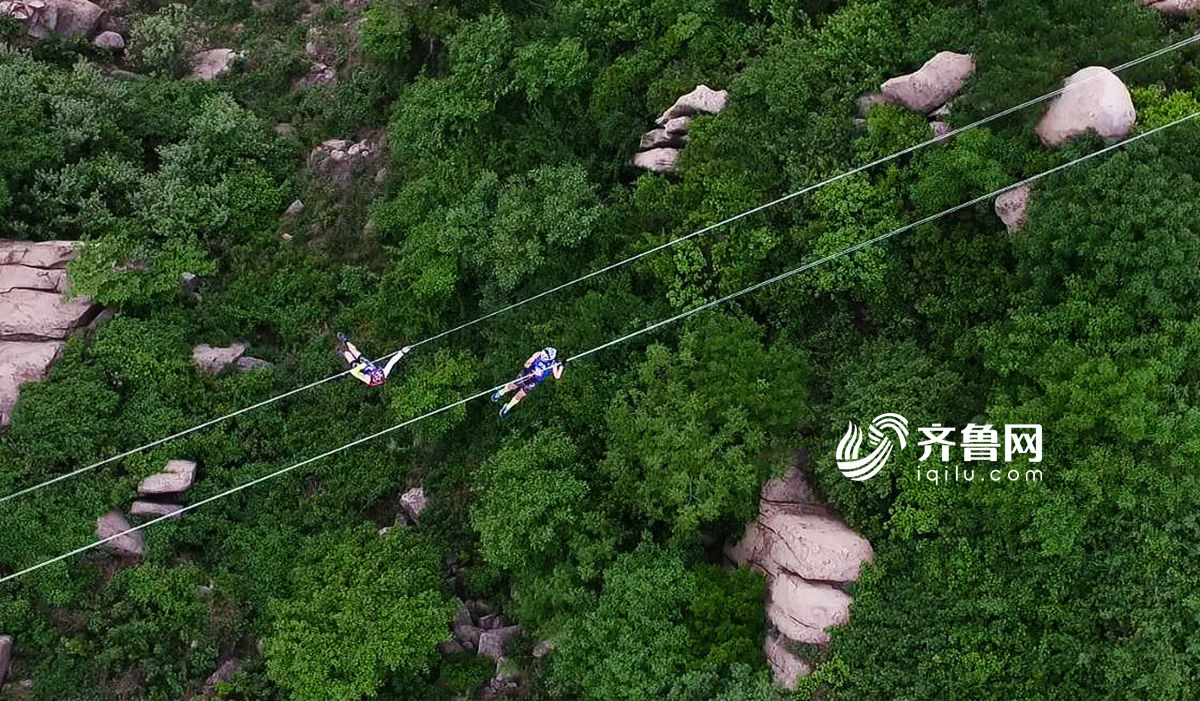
(213, 63)
(110, 41)
(113, 523)
(450, 647)
(247, 363)
(225, 673)
(940, 129)
(190, 283)
(491, 621)
(213, 359)
(295, 208)
(468, 635)
(491, 642)
(413, 502)
(152, 508)
(284, 130)
(661, 138)
(175, 477)
(462, 617)
(5, 656)
(542, 648)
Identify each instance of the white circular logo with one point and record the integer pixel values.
(865, 468)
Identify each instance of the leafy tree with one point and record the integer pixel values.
(383, 591)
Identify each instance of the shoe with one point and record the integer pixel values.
(343, 338)
(498, 395)
(504, 411)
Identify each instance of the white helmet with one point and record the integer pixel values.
(550, 352)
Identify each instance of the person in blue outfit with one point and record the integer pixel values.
(363, 369)
(540, 365)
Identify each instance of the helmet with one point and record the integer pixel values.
(550, 352)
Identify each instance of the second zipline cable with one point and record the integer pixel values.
(620, 339)
(619, 264)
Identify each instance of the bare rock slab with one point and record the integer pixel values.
(21, 362)
(811, 545)
(213, 63)
(128, 544)
(933, 84)
(786, 667)
(657, 160)
(1094, 99)
(175, 477)
(802, 610)
(702, 100)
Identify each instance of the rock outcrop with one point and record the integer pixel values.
(128, 544)
(341, 160)
(491, 642)
(786, 667)
(175, 477)
(213, 63)
(1095, 99)
(5, 656)
(42, 18)
(1012, 206)
(932, 85)
(659, 148)
(214, 359)
(225, 673)
(35, 315)
(413, 503)
(808, 556)
(1175, 8)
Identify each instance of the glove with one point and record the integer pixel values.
(405, 350)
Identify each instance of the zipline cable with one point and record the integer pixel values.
(620, 339)
(613, 266)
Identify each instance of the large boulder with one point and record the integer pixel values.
(933, 84)
(702, 100)
(22, 362)
(213, 63)
(1012, 206)
(786, 667)
(1094, 99)
(1175, 8)
(42, 18)
(225, 673)
(127, 544)
(491, 642)
(803, 610)
(75, 17)
(813, 545)
(5, 656)
(175, 477)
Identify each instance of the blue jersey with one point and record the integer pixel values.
(537, 371)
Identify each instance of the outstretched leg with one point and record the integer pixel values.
(350, 353)
(521, 394)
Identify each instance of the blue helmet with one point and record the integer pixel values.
(551, 352)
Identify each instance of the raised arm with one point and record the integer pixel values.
(532, 358)
(557, 370)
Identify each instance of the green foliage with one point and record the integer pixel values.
(387, 32)
(692, 433)
(381, 591)
(161, 43)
